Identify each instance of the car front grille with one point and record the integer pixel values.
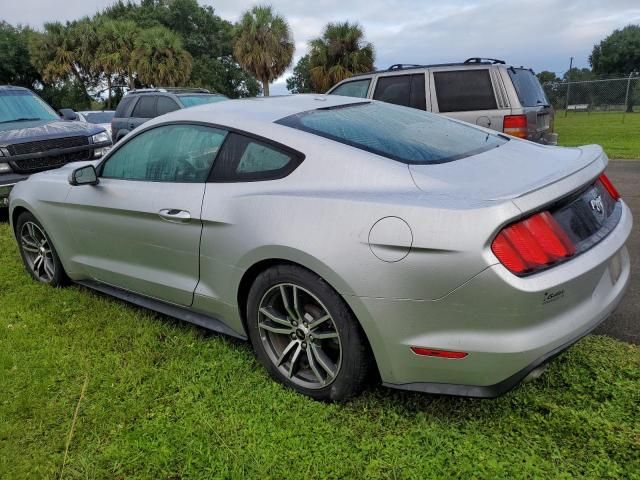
(46, 145)
(31, 165)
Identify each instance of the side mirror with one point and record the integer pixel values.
(68, 114)
(86, 175)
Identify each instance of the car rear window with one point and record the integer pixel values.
(528, 88)
(403, 134)
(464, 91)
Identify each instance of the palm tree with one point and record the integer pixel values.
(340, 53)
(263, 44)
(114, 49)
(159, 59)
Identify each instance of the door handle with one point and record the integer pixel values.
(174, 215)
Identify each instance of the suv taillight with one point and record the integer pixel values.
(515, 125)
(532, 244)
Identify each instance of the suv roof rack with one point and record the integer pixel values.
(408, 66)
(492, 61)
(169, 90)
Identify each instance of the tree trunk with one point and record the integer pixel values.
(265, 88)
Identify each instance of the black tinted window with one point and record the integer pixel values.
(403, 134)
(247, 159)
(123, 106)
(166, 105)
(464, 90)
(405, 90)
(393, 89)
(145, 108)
(528, 88)
(356, 88)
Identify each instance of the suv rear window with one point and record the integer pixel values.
(406, 135)
(528, 88)
(464, 91)
(193, 100)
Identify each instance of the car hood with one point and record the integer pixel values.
(19, 132)
(507, 172)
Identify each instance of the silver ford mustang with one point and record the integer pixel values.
(348, 240)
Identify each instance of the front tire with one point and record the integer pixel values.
(38, 253)
(305, 336)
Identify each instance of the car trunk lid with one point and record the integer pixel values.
(521, 171)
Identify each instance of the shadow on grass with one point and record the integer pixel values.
(4, 215)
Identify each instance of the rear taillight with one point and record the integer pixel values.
(532, 244)
(609, 186)
(515, 125)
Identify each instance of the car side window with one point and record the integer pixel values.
(464, 90)
(166, 105)
(248, 159)
(405, 90)
(356, 88)
(169, 153)
(123, 107)
(145, 108)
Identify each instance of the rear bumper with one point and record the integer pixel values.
(508, 325)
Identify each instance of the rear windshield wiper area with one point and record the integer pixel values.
(21, 119)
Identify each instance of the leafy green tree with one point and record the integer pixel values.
(159, 59)
(338, 54)
(114, 51)
(263, 44)
(63, 53)
(15, 65)
(206, 36)
(619, 53)
(547, 77)
(300, 81)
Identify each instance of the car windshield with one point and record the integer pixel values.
(528, 88)
(193, 100)
(22, 105)
(400, 133)
(98, 117)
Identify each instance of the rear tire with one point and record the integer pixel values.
(38, 253)
(305, 336)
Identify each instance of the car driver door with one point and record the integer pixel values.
(139, 228)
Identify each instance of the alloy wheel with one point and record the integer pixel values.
(299, 336)
(37, 252)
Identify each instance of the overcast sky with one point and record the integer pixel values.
(540, 34)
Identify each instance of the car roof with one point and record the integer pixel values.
(258, 110)
(13, 87)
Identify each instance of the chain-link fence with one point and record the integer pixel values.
(621, 94)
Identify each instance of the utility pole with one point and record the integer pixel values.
(566, 106)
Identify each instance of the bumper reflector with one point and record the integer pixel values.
(432, 352)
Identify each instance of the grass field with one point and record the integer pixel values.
(619, 140)
(160, 399)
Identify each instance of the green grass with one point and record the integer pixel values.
(167, 400)
(619, 139)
